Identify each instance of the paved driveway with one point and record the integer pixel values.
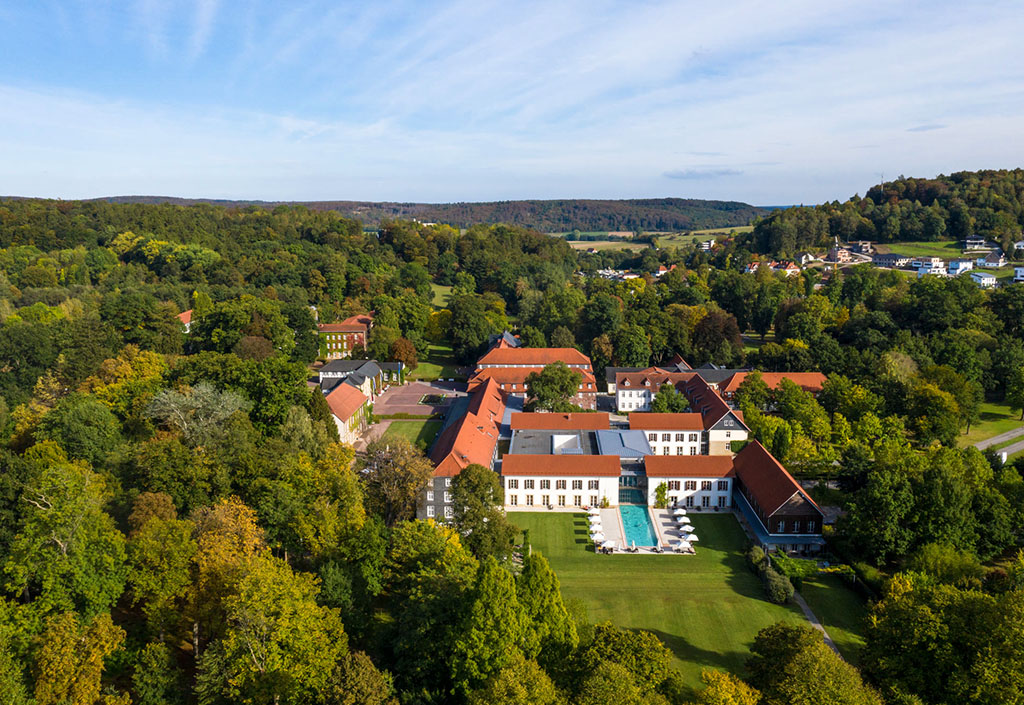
(405, 399)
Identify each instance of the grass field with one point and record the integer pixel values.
(946, 250)
(707, 608)
(437, 363)
(416, 432)
(440, 295)
(608, 245)
(995, 419)
(841, 610)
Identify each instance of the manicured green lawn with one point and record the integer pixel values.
(841, 610)
(417, 432)
(440, 295)
(707, 608)
(946, 250)
(995, 419)
(437, 363)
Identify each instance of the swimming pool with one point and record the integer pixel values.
(637, 522)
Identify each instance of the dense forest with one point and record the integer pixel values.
(178, 523)
(563, 215)
(987, 204)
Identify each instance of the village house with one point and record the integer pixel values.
(993, 260)
(959, 266)
(364, 375)
(1018, 275)
(186, 320)
(840, 255)
(975, 243)
(863, 247)
(338, 339)
(349, 411)
(891, 260)
(986, 280)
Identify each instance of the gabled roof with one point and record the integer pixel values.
(689, 466)
(472, 438)
(808, 381)
(765, 478)
(558, 422)
(561, 465)
(344, 401)
(504, 340)
(360, 323)
(185, 317)
(518, 375)
(650, 378)
(538, 357)
(706, 401)
(686, 421)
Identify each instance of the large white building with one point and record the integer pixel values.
(560, 481)
(703, 481)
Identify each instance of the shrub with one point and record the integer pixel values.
(779, 589)
(661, 496)
(755, 558)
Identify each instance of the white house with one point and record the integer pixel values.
(704, 481)
(959, 266)
(993, 260)
(929, 262)
(984, 279)
(672, 434)
(566, 482)
(1018, 275)
(349, 411)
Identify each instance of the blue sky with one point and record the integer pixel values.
(769, 103)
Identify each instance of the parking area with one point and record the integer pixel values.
(405, 399)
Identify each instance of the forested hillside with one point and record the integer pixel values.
(989, 204)
(179, 523)
(653, 214)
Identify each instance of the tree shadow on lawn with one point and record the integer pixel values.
(730, 661)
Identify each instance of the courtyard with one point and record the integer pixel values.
(706, 608)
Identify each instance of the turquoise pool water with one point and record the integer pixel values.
(631, 495)
(637, 522)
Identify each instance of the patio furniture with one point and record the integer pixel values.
(692, 537)
(680, 512)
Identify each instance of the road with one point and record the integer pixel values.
(1012, 448)
(1002, 438)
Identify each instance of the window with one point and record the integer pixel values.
(447, 497)
(810, 527)
(693, 438)
(673, 485)
(680, 437)
(722, 499)
(673, 500)
(728, 434)
(723, 485)
(513, 500)
(594, 500)
(693, 450)
(592, 484)
(705, 501)
(447, 482)
(679, 450)
(513, 484)
(691, 484)
(577, 501)
(689, 500)
(529, 500)
(545, 485)
(430, 495)
(545, 500)
(447, 512)
(561, 500)
(665, 450)
(430, 511)
(527, 484)
(652, 437)
(559, 484)
(666, 437)
(577, 484)
(780, 526)
(705, 485)
(796, 526)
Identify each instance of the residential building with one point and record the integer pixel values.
(186, 320)
(959, 266)
(672, 434)
(706, 245)
(635, 390)
(509, 367)
(338, 339)
(975, 243)
(704, 482)
(863, 247)
(349, 410)
(930, 269)
(840, 254)
(788, 268)
(805, 258)
(1019, 245)
(890, 259)
(929, 262)
(986, 280)
(1018, 275)
(778, 509)
(807, 381)
(364, 375)
(567, 482)
(993, 260)
(468, 438)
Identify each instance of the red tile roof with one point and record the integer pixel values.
(561, 465)
(689, 465)
(538, 357)
(687, 421)
(360, 323)
(344, 401)
(185, 317)
(517, 376)
(705, 401)
(655, 377)
(473, 437)
(808, 381)
(765, 478)
(558, 422)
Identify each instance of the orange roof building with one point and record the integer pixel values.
(687, 466)
(808, 381)
(533, 357)
(472, 438)
(558, 422)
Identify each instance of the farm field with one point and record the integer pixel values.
(706, 608)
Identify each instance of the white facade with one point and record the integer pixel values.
(720, 441)
(560, 492)
(984, 279)
(634, 399)
(688, 442)
(1018, 275)
(693, 492)
(959, 266)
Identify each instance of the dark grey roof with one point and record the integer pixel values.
(728, 422)
(510, 340)
(533, 442)
(610, 372)
(395, 366)
(717, 375)
(342, 366)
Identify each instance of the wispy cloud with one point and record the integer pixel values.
(925, 128)
(697, 174)
(205, 16)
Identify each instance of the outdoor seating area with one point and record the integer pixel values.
(675, 531)
(673, 527)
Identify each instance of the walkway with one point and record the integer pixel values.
(1012, 448)
(1002, 438)
(813, 619)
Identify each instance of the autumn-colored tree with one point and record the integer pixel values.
(403, 350)
(725, 689)
(70, 661)
(521, 682)
(394, 474)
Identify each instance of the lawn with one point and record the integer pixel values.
(946, 250)
(607, 245)
(995, 419)
(841, 610)
(417, 432)
(707, 608)
(437, 363)
(440, 295)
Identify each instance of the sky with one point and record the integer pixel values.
(469, 100)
